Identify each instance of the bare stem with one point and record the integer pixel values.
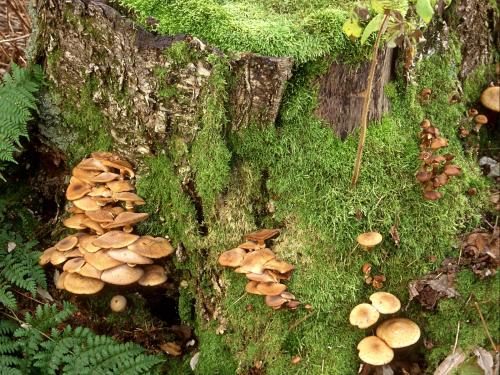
(485, 327)
(366, 104)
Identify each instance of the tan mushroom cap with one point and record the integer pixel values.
(128, 256)
(77, 189)
(481, 119)
(100, 191)
(75, 221)
(46, 255)
(152, 247)
(266, 277)
(232, 258)
(399, 332)
(251, 288)
(452, 170)
(120, 186)
(78, 284)
(86, 244)
(438, 143)
(250, 245)
(89, 270)
(74, 265)
(363, 315)
(91, 164)
(127, 218)
(128, 197)
(60, 280)
(278, 265)
(275, 301)
(91, 224)
(432, 195)
(385, 303)
(100, 216)
(271, 289)
(101, 260)
(66, 243)
(153, 275)
(118, 303)
(86, 204)
(122, 275)
(84, 175)
(369, 240)
(374, 351)
(105, 177)
(490, 98)
(115, 210)
(111, 160)
(75, 210)
(262, 235)
(255, 260)
(115, 239)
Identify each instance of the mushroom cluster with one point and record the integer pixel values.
(391, 334)
(262, 269)
(436, 170)
(104, 250)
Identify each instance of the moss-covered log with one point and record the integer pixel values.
(226, 124)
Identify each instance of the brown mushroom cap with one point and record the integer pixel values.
(89, 270)
(46, 255)
(73, 265)
(120, 186)
(423, 176)
(100, 216)
(275, 301)
(369, 240)
(86, 204)
(385, 303)
(100, 191)
(261, 235)
(432, 195)
(59, 280)
(118, 303)
(91, 224)
(104, 177)
(77, 189)
(152, 247)
(452, 170)
(266, 277)
(278, 265)
(115, 239)
(101, 260)
(111, 160)
(251, 288)
(490, 98)
(122, 275)
(128, 197)
(91, 164)
(128, 256)
(73, 253)
(438, 143)
(78, 284)
(75, 221)
(271, 289)
(255, 260)
(374, 351)
(363, 315)
(66, 243)
(481, 119)
(250, 245)
(232, 258)
(399, 332)
(86, 244)
(153, 275)
(127, 218)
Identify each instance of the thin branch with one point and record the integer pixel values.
(14, 39)
(485, 326)
(366, 103)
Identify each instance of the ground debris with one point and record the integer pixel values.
(474, 362)
(394, 368)
(480, 253)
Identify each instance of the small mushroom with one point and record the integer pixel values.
(270, 289)
(118, 303)
(374, 351)
(363, 316)
(255, 260)
(275, 301)
(75, 221)
(152, 247)
(85, 243)
(490, 98)
(385, 303)
(120, 186)
(480, 120)
(278, 265)
(76, 189)
(399, 332)
(262, 235)
(369, 240)
(126, 218)
(73, 265)
(423, 176)
(100, 260)
(89, 270)
(128, 256)
(100, 216)
(153, 275)
(438, 143)
(115, 239)
(265, 277)
(432, 195)
(46, 255)
(66, 243)
(452, 170)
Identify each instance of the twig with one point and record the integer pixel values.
(301, 320)
(456, 337)
(485, 327)
(366, 104)
(14, 39)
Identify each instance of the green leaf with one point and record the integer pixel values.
(380, 6)
(372, 27)
(352, 28)
(425, 10)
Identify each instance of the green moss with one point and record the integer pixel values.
(216, 356)
(179, 54)
(476, 82)
(297, 28)
(209, 154)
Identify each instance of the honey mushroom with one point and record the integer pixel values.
(105, 250)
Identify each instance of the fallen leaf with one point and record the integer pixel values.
(485, 360)
(11, 246)
(395, 235)
(450, 363)
(171, 348)
(194, 360)
(44, 294)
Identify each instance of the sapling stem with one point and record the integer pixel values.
(366, 103)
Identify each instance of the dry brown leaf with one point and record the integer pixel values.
(171, 348)
(395, 235)
(485, 360)
(450, 363)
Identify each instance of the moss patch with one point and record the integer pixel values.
(304, 30)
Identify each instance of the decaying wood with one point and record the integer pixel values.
(341, 93)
